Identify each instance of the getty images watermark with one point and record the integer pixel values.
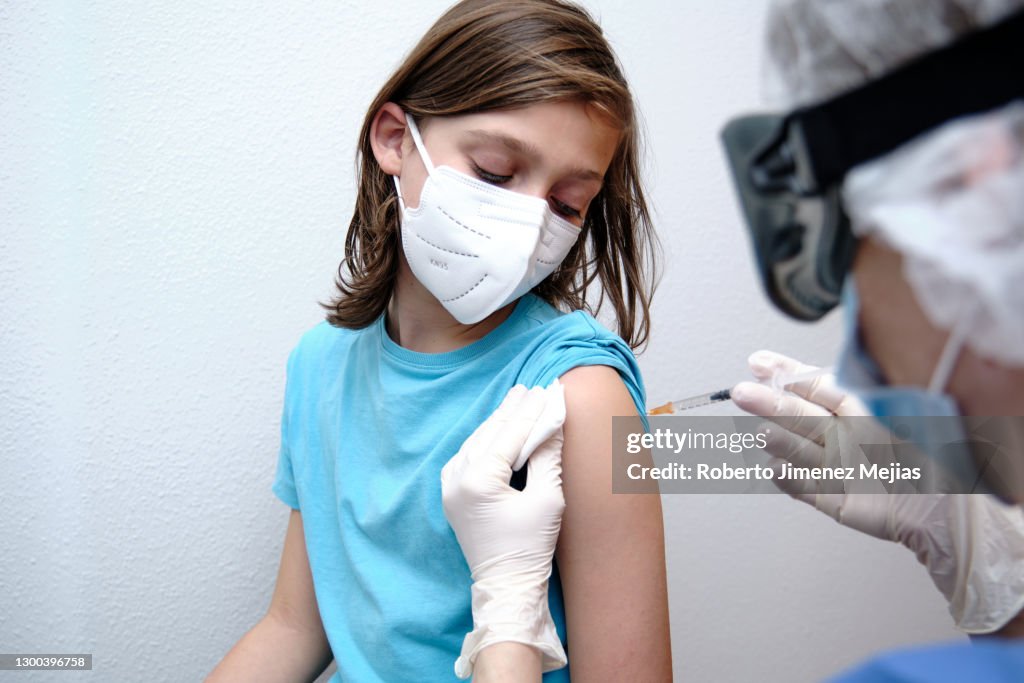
(747, 454)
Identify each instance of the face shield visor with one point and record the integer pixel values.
(788, 169)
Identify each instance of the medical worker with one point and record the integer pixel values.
(894, 186)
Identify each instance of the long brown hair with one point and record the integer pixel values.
(501, 54)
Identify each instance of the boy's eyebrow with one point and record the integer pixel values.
(526, 149)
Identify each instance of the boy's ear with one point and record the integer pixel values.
(387, 134)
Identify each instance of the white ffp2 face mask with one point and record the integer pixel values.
(475, 246)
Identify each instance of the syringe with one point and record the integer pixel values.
(778, 382)
(693, 402)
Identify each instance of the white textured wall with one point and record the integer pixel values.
(175, 181)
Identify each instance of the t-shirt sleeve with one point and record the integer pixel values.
(581, 341)
(284, 479)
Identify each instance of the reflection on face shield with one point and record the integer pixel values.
(802, 239)
(788, 169)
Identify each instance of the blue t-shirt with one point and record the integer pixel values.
(991, 661)
(366, 429)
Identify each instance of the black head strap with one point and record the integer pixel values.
(982, 71)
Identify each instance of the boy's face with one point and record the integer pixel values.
(558, 151)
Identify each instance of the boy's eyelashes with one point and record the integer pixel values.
(565, 210)
(560, 207)
(487, 176)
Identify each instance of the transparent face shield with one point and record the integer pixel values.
(802, 241)
(788, 169)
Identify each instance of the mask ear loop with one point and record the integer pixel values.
(398, 189)
(951, 351)
(422, 149)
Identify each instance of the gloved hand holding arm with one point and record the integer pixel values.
(509, 536)
(971, 544)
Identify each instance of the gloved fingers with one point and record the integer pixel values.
(482, 436)
(868, 513)
(495, 455)
(756, 399)
(764, 364)
(547, 424)
(821, 390)
(802, 487)
(794, 487)
(831, 504)
(873, 513)
(762, 400)
(791, 447)
(850, 405)
(544, 472)
(799, 489)
(792, 413)
(871, 443)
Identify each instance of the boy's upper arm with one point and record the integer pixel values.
(294, 601)
(611, 552)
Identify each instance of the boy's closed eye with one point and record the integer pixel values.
(558, 206)
(490, 177)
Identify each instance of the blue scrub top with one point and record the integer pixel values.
(988, 661)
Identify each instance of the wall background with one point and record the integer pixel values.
(175, 182)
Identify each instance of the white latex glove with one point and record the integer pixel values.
(971, 544)
(509, 536)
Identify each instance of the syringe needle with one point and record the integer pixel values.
(779, 382)
(692, 402)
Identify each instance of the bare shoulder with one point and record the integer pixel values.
(594, 395)
(596, 391)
